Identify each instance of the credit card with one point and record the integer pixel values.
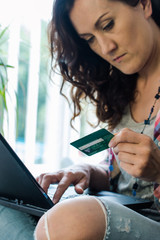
(94, 142)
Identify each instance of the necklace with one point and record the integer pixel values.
(146, 122)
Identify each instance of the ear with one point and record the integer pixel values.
(147, 8)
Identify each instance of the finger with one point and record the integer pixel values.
(131, 148)
(39, 178)
(124, 136)
(47, 180)
(128, 158)
(127, 167)
(62, 186)
(134, 170)
(131, 164)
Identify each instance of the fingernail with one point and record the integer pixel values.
(110, 144)
(54, 201)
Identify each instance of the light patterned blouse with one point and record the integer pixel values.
(124, 183)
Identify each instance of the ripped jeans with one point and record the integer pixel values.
(16, 225)
(122, 223)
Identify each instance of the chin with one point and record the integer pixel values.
(132, 67)
(129, 71)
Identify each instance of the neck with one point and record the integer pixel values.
(151, 69)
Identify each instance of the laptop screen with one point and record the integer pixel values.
(16, 182)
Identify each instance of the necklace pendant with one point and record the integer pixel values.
(134, 192)
(134, 189)
(135, 186)
(157, 96)
(111, 168)
(147, 122)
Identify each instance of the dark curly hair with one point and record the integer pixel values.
(90, 76)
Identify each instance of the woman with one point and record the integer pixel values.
(109, 51)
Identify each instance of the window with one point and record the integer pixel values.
(38, 121)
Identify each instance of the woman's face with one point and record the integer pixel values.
(119, 33)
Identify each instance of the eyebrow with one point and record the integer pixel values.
(99, 19)
(97, 23)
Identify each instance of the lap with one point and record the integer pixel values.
(121, 222)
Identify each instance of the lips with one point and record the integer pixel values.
(119, 58)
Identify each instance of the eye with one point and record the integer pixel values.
(109, 26)
(90, 40)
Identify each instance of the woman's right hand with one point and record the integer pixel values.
(78, 175)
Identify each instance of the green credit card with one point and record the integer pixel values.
(94, 142)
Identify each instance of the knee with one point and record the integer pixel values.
(79, 218)
(40, 230)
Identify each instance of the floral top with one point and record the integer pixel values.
(157, 141)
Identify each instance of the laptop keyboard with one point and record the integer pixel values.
(69, 193)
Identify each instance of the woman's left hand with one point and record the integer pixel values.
(138, 154)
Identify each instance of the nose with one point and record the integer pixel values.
(107, 45)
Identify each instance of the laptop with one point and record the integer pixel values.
(19, 189)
